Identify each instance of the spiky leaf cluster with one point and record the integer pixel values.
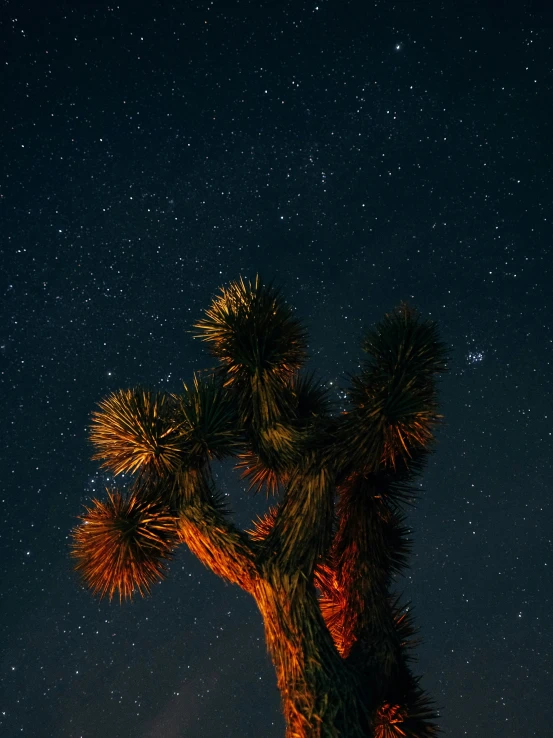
(207, 421)
(410, 715)
(311, 397)
(261, 472)
(393, 399)
(123, 543)
(259, 342)
(263, 525)
(136, 430)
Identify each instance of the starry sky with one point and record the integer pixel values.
(358, 153)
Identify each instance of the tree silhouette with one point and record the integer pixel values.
(321, 563)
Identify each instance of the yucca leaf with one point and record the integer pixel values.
(208, 421)
(253, 331)
(135, 430)
(123, 543)
(393, 400)
(263, 525)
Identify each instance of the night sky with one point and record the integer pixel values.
(358, 153)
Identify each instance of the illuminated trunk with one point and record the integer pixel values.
(321, 697)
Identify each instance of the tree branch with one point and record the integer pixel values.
(209, 534)
(303, 526)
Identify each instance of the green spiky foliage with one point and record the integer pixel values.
(260, 345)
(393, 399)
(322, 563)
(207, 421)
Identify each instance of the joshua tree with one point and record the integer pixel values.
(321, 563)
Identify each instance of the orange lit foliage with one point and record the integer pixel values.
(388, 721)
(123, 543)
(320, 563)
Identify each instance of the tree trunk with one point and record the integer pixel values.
(321, 695)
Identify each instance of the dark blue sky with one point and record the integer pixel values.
(359, 153)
